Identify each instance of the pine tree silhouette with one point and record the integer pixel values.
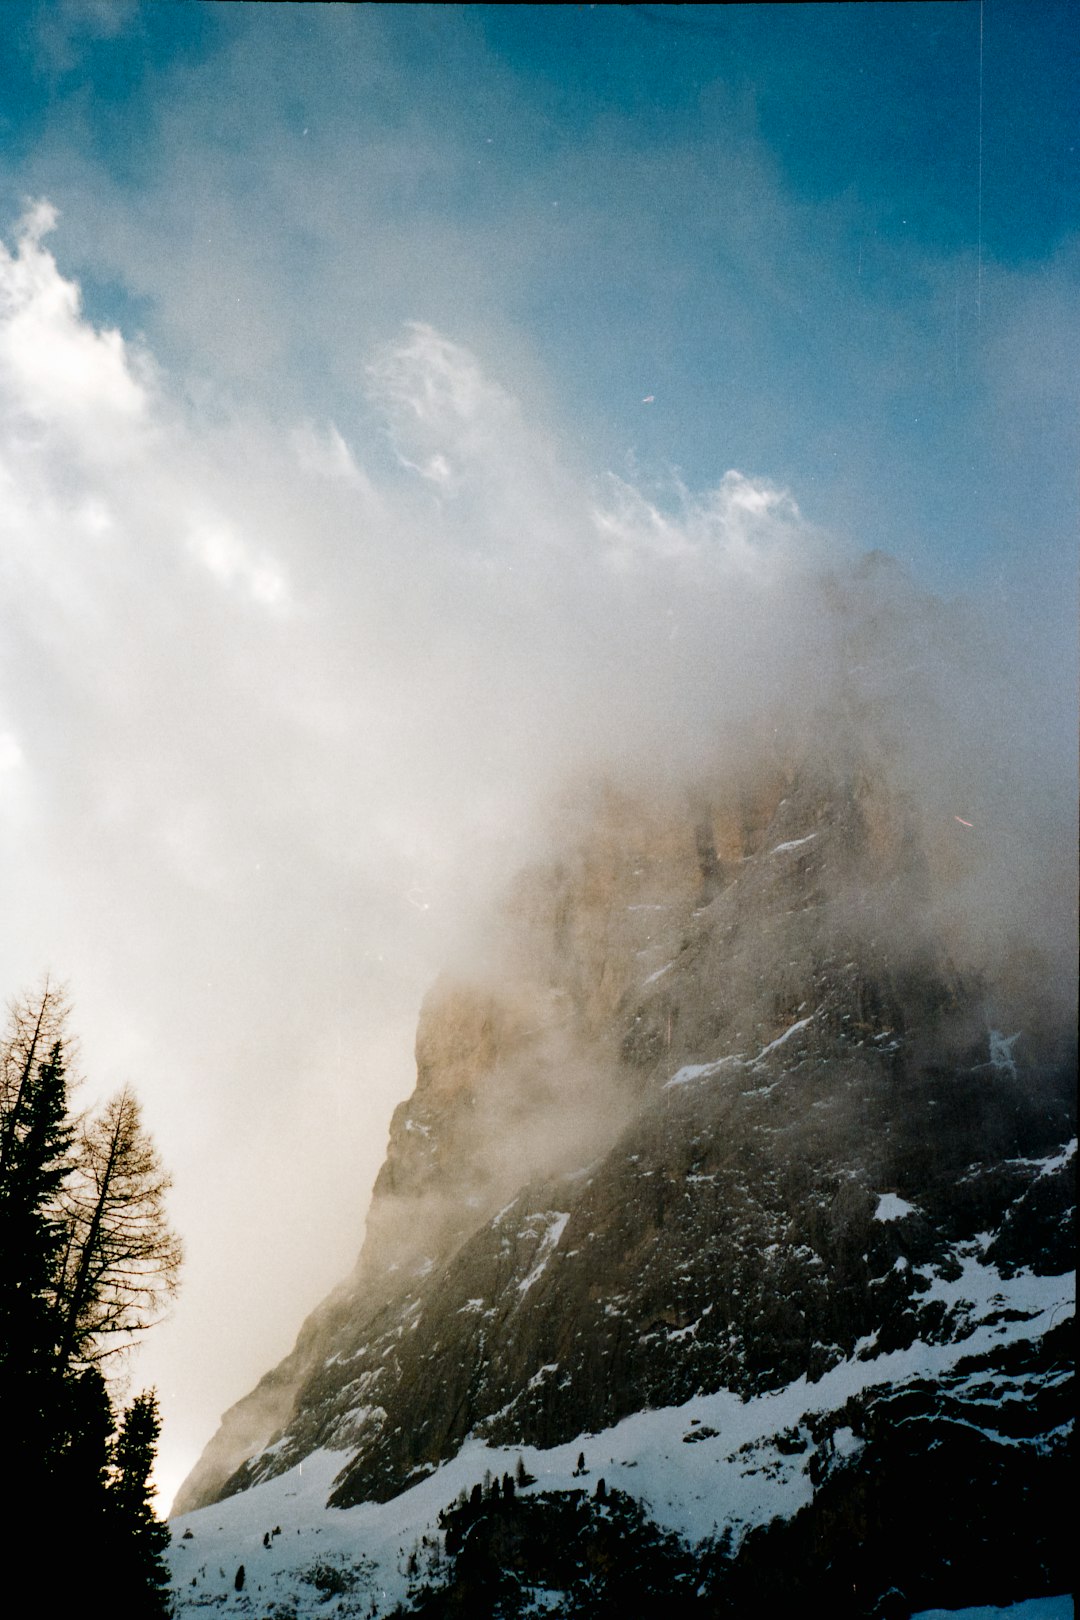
(142, 1539)
(35, 1142)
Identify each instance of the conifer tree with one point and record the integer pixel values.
(37, 1138)
(141, 1574)
(78, 1487)
(35, 1401)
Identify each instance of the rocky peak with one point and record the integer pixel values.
(664, 935)
(715, 1144)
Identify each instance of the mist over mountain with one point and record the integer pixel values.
(730, 1216)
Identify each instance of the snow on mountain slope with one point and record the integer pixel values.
(714, 1461)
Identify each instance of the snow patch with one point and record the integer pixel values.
(786, 1036)
(659, 974)
(1001, 1051)
(1057, 1161)
(1053, 1163)
(982, 1295)
(1044, 1608)
(547, 1246)
(696, 1071)
(538, 1377)
(891, 1207)
(846, 1443)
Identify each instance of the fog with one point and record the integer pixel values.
(380, 462)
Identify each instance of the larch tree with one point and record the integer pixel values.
(35, 1023)
(121, 1259)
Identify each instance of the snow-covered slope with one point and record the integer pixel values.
(714, 1462)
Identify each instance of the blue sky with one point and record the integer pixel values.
(767, 217)
(402, 406)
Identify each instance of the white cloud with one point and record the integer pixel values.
(11, 755)
(743, 526)
(55, 369)
(233, 562)
(458, 429)
(433, 382)
(13, 786)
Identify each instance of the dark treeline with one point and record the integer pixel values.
(86, 1254)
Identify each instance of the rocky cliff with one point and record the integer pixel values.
(717, 1129)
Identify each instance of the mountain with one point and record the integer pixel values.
(722, 1252)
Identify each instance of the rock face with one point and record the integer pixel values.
(720, 1115)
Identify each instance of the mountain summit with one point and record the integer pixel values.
(729, 1220)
